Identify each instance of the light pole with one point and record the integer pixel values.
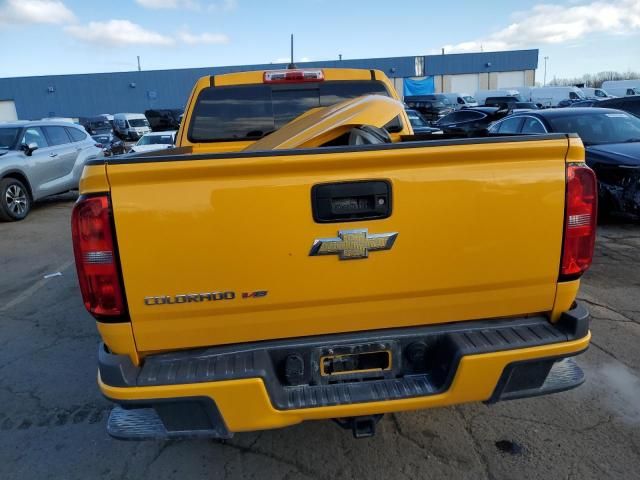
(544, 82)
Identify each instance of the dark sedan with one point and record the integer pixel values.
(612, 144)
(110, 144)
(418, 123)
(470, 121)
(431, 107)
(629, 104)
(96, 125)
(590, 102)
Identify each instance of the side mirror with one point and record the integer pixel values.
(29, 149)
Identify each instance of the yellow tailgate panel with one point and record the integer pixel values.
(479, 236)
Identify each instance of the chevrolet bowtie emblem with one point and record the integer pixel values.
(353, 244)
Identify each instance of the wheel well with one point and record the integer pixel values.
(22, 178)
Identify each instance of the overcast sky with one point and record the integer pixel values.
(42, 37)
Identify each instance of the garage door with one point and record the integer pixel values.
(510, 79)
(8, 111)
(465, 83)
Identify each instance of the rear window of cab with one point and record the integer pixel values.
(249, 112)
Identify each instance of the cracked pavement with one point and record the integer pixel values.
(52, 424)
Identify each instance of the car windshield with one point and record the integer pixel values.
(469, 99)
(432, 104)
(599, 128)
(156, 140)
(8, 137)
(99, 124)
(416, 120)
(442, 99)
(101, 138)
(139, 122)
(252, 111)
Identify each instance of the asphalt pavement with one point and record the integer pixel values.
(52, 420)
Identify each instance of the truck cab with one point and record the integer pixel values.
(229, 112)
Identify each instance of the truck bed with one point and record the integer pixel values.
(217, 248)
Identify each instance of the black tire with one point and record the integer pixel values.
(15, 201)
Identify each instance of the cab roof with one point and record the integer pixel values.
(330, 74)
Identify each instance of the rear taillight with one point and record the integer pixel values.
(96, 259)
(579, 221)
(293, 76)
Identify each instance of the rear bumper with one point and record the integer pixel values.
(212, 392)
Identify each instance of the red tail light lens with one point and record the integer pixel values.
(293, 76)
(580, 221)
(93, 245)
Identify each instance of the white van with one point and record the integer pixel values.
(622, 88)
(459, 100)
(131, 126)
(482, 95)
(597, 93)
(551, 96)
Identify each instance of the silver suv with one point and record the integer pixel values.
(38, 159)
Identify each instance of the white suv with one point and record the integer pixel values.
(38, 159)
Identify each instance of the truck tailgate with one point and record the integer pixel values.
(219, 246)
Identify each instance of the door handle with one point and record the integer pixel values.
(53, 155)
(351, 201)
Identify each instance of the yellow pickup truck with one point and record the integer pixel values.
(302, 254)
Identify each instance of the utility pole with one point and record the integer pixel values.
(139, 68)
(292, 65)
(544, 81)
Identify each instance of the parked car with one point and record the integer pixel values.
(482, 95)
(418, 123)
(567, 102)
(432, 107)
(98, 125)
(461, 100)
(154, 141)
(108, 117)
(38, 159)
(596, 93)
(164, 119)
(622, 88)
(612, 144)
(518, 106)
(591, 102)
(131, 126)
(509, 102)
(471, 122)
(629, 104)
(110, 144)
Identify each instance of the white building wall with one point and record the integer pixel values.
(465, 83)
(8, 111)
(510, 79)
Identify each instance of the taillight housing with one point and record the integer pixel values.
(581, 211)
(96, 258)
(293, 76)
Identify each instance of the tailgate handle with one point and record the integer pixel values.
(351, 201)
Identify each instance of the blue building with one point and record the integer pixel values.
(29, 98)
